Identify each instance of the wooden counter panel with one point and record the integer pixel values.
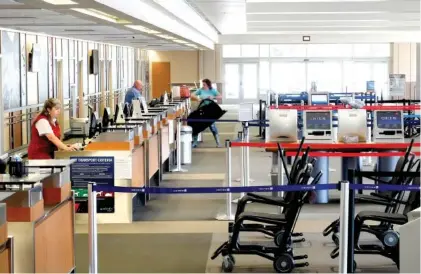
(25, 214)
(165, 143)
(56, 195)
(3, 234)
(109, 146)
(138, 168)
(153, 155)
(5, 266)
(54, 241)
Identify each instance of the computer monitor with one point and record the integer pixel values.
(352, 122)
(388, 124)
(318, 125)
(128, 110)
(92, 125)
(319, 99)
(283, 125)
(105, 118)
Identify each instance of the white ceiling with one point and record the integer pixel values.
(310, 16)
(40, 17)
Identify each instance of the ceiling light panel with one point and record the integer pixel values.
(180, 41)
(164, 36)
(143, 29)
(60, 2)
(101, 15)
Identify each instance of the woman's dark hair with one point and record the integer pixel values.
(207, 82)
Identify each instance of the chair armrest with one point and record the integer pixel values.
(373, 200)
(379, 195)
(266, 200)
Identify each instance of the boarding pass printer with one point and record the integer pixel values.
(317, 125)
(79, 126)
(388, 126)
(282, 125)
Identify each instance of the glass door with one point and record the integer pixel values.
(326, 74)
(288, 77)
(241, 82)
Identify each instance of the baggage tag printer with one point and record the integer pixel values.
(388, 126)
(317, 125)
(282, 125)
(137, 112)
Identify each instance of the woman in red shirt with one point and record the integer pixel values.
(46, 133)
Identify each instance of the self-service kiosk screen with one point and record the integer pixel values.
(318, 120)
(319, 99)
(389, 119)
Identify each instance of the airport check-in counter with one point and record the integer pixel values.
(43, 235)
(129, 171)
(6, 243)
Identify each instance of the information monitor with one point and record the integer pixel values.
(388, 124)
(318, 125)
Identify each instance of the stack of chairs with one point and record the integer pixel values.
(280, 226)
(388, 238)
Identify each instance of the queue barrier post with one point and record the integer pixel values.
(178, 148)
(242, 177)
(228, 215)
(92, 229)
(343, 228)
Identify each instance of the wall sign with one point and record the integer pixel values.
(397, 84)
(100, 170)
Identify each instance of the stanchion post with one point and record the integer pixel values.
(92, 229)
(228, 178)
(246, 155)
(351, 213)
(343, 228)
(243, 179)
(178, 149)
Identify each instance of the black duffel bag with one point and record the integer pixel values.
(207, 109)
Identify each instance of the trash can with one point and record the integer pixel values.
(186, 144)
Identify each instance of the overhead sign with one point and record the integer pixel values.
(397, 84)
(98, 170)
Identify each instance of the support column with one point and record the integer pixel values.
(1, 107)
(81, 78)
(418, 71)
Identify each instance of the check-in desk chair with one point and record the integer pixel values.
(43, 235)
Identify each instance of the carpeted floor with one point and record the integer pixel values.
(146, 253)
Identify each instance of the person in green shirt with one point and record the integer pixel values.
(207, 92)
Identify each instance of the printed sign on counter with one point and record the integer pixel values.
(99, 170)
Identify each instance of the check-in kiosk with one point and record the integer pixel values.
(388, 126)
(317, 125)
(352, 123)
(283, 125)
(318, 98)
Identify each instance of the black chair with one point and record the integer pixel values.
(282, 254)
(299, 165)
(389, 238)
(381, 198)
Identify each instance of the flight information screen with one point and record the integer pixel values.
(318, 120)
(389, 119)
(320, 99)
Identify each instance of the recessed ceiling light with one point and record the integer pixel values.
(166, 36)
(102, 15)
(180, 41)
(60, 2)
(192, 45)
(143, 29)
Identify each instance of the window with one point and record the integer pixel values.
(229, 51)
(264, 76)
(288, 77)
(232, 81)
(329, 50)
(380, 50)
(381, 77)
(356, 75)
(327, 75)
(292, 50)
(264, 50)
(249, 50)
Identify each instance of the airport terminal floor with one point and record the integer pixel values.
(179, 233)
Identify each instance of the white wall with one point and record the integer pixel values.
(404, 61)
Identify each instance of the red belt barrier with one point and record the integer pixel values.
(412, 107)
(318, 146)
(352, 154)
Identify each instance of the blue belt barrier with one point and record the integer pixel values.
(287, 188)
(411, 116)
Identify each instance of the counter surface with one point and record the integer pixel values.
(54, 163)
(30, 179)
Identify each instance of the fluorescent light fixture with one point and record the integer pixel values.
(192, 45)
(164, 36)
(60, 2)
(102, 15)
(143, 29)
(180, 41)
